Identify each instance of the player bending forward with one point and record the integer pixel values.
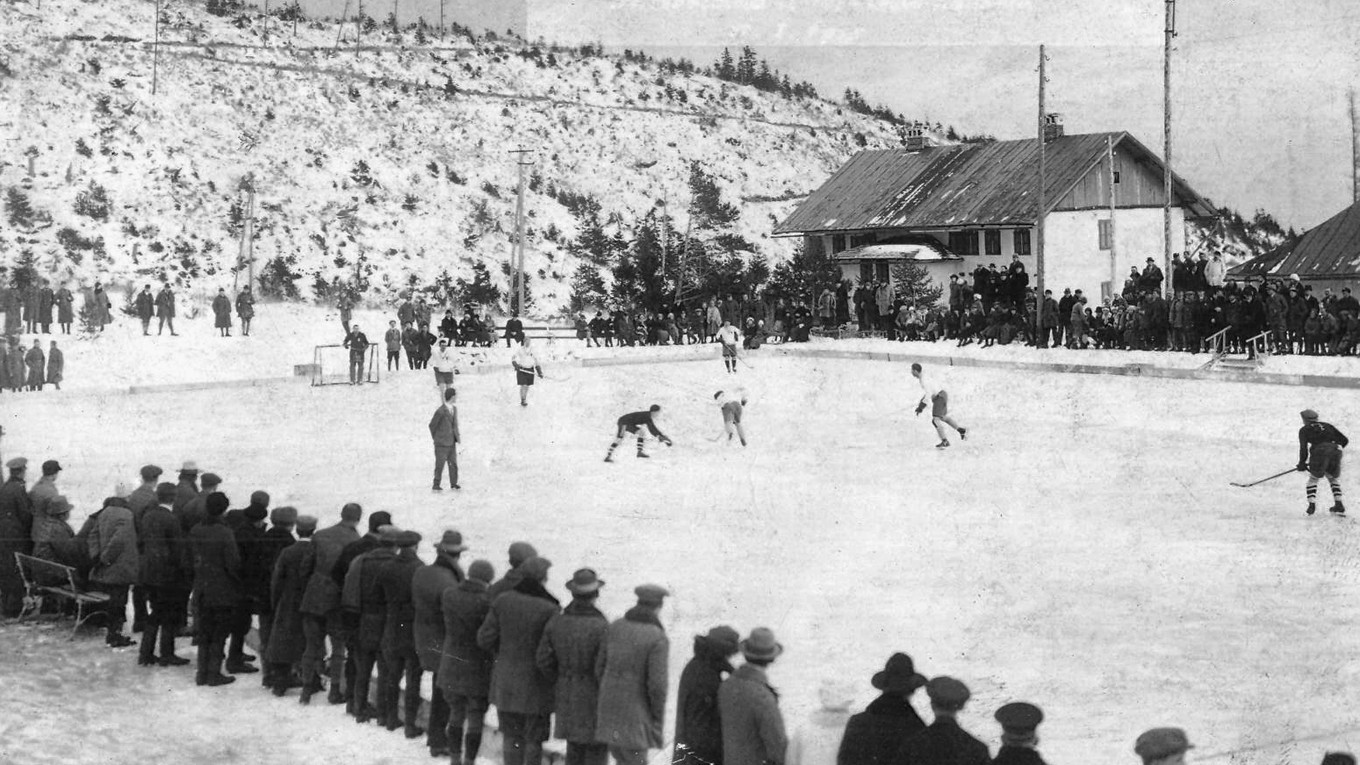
(732, 403)
(1320, 445)
(939, 408)
(729, 337)
(634, 422)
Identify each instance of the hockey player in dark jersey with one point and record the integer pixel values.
(634, 422)
(1320, 445)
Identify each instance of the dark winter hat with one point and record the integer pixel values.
(211, 479)
(408, 538)
(761, 645)
(284, 516)
(584, 582)
(899, 675)
(1019, 717)
(352, 511)
(306, 524)
(165, 491)
(59, 507)
(451, 542)
(18, 463)
(535, 568)
(118, 502)
(260, 498)
(521, 552)
(723, 638)
(151, 472)
(947, 693)
(377, 520)
(450, 394)
(51, 467)
(388, 535)
(216, 503)
(255, 513)
(1338, 758)
(651, 594)
(1161, 742)
(1308, 414)
(482, 571)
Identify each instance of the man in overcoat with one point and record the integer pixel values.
(113, 547)
(362, 597)
(427, 589)
(464, 666)
(698, 727)
(321, 614)
(217, 582)
(571, 644)
(399, 658)
(632, 669)
(287, 586)
(753, 728)
(943, 741)
(876, 735)
(166, 576)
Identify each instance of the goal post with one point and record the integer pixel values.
(330, 365)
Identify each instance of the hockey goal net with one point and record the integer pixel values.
(331, 365)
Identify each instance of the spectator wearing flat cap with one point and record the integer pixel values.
(217, 582)
(16, 536)
(139, 501)
(427, 588)
(187, 488)
(632, 668)
(519, 552)
(464, 666)
(400, 661)
(753, 728)
(698, 727)
(876, 735)
(818, 741)
(166, 576)
(191, 511)
(255, 573)
(113, 546)
(362, 596)
(288, 582)
(45, 490)
(268, 547)
(523, 695)
(566, 655)
(322, 616)
(1162, 746)
(1019, 738)
(943, 742)
(350, 615)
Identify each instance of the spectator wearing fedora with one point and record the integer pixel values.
(287, 585)
(944, 742)
(818, 742)
(187, 488)
(1019, 739)
(567, 654)
(269, 546)
(165, 576)
(632, 668)
(16, 535)
(322, 617)
(444, 432)
(427, 588)
(1162, 746)
(399, 657)
(698, 727)
(519, 552)
(876, 735)
(362, 597)
(753, 728)
(464, 666)
(217, 580)
(523, 695)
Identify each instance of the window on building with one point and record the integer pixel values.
(1021, 241)
(881, 271)
(837, 244)
(866, 271)
(964, 242)
(859, 240)
(1105, 233)
(991, 240)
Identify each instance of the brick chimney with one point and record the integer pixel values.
(1053, 126)
(916, 138)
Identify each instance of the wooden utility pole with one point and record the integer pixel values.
(246, 254)
(1039, 217)
(156, 51)
(517, 252)
(1114, 258)
(1166, 147)
(1355, 151)
(441, 20)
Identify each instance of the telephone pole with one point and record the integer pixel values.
(1166, 146)
(1039, 219)
(1355, 151)
(1114, 259)
(246, 254)
(517, 251)
(156, 51)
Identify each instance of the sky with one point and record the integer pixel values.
(1259, 102)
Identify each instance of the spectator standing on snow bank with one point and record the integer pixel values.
(56, 365)
(392, 341)
(1018, 737)
(632, 670)
(357, 343)
(221, 306)
(16, 529)
(464, 666)
(37, 367)
(165, 310)
(876, 735)
(346, 307)
(817, 742)
(245, 309)
(571, 644)
(753, 728)
(944, 742)
(146, 308)
(698, 727)
(65, 303)
(1162, 746)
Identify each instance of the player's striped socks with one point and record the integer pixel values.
(1336, 492)
(1312, 491)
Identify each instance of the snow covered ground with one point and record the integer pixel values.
(1082, 550)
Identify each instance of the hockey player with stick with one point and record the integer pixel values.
(730, 338)
(939, 408)
(634, 422)
(526, 366)
(1320, 445)
(732, 403)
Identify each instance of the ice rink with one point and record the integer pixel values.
(1082, 550)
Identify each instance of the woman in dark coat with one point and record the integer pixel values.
(698, 727)
(56, 366)
(101, 308)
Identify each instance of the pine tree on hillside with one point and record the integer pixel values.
(24, 274)
(803, 276)
(587, 288)
(480, 291)
(725, 68)
(709, 209)
(913, 284)
(18, 209)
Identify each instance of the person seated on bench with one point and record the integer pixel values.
(55, 540)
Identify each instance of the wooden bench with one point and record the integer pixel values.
(541, 332)
(48, 579)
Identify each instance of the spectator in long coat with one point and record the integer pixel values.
(321, 613)
(876, 735)
(221, 306)
(46, 300)
(17, 379)
(255, 573)
(146, 308)
(519, 552)
(1019, 721)
(187, 490)
(522, 694)
(165, 310)
(427, 589)
(37, 367)
(56, 366)
(944, 742)
(166, 576)
(698, 727)
(31, 308)
(16, 532)
(55, 540)
(566, 655)
(632, 668)
(818, 741)
(245, 310)
(350, 613)
(753, 728)
(65, 303)
(362, 595)
(287, 639)
(465, 667)
(217, 582)
(139, 501)
(99, 307)
(399, 656)
(113, 546)
(277, 538)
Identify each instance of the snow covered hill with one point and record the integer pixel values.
(389, 159)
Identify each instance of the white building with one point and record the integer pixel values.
(951, 209)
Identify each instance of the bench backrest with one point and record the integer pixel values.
(45, 573)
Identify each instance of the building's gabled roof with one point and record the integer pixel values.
(1332, 249)
(1261, 265)
(966, 185)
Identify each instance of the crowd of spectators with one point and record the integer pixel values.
(759, 321)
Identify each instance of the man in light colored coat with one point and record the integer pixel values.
(753, 728)
(632, 669)
(320, 608)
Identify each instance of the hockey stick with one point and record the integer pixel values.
(1263, 480)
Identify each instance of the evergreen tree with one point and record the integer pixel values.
(913, 284)
(480, 291)
(709, 209)
(587, 288)
(726, 71)
(746, 66)
(18, 208)
(803, 276)
(24, 274)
